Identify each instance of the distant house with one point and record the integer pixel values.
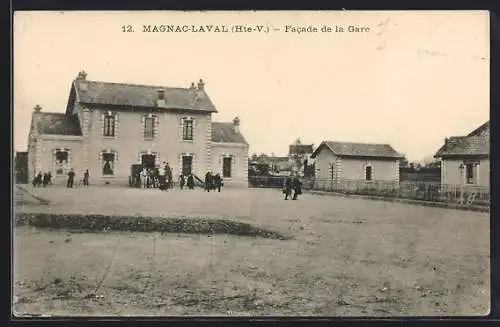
(300, 156)
(337, 161)
(465, 159)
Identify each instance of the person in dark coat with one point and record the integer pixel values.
(71, 178)
(218, 182)
(190, 182)
(45, 180)
(287, 187)
(168, 175)
(86, 178)
(208, 181)
(182, 181)
(297, 187)
(49, 175)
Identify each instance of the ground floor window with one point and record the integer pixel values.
(61, 157)
(226, 167)
(471, 173)
(148, 161)
(108, 160)
(187, 165)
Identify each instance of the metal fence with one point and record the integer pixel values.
(426, 191)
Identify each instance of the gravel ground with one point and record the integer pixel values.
(346, 257)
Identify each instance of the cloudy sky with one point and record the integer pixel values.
(412, 80)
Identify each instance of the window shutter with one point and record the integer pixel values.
(194, 129)
(102, 124)
(181, 136)
(116, 124)
(143, 125)
(156, 123)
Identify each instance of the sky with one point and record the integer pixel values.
(410, 81)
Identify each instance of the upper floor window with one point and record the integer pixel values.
(368, 173)
(109, 125)
(187, 129)
(149, 126)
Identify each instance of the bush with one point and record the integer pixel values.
(99, 223)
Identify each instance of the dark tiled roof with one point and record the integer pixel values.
(141, 96)
(465, 145)
(350, 149)
(475, 143)
(225, 133)
(300, 148)
(51, 123)
(484, 129)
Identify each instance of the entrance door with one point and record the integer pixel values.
(148, 160)
(187, 165)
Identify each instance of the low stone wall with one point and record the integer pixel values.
(100, 223)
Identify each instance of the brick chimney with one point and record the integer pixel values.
(160, 101)
(82, 78)
(201, 85)
(37, 113)
(236, 124)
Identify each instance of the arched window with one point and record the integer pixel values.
(61, 161)
(108, 162)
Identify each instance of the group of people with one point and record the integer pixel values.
(187, 181)
(213, 182)
(292, 183)
(162, 178)
(42, 179)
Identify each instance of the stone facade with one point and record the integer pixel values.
(353, 161)
(123, 131)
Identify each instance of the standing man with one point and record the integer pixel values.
(71, 178)
(86, 178)
(297, 187)
(162, 176)
(168, 175)
(182, 181)
(287, 187)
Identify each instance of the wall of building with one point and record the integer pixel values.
(239, 155)
(46, 159)
(324, 161)
(382, 170)
(451, 173)
(129, 142)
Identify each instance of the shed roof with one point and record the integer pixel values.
(352, 149)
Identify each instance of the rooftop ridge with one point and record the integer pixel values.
(140, 85)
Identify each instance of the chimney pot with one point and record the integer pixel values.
(161, 94)
(82, 75)
(201, 85)
(160, 101)
(236, 124)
